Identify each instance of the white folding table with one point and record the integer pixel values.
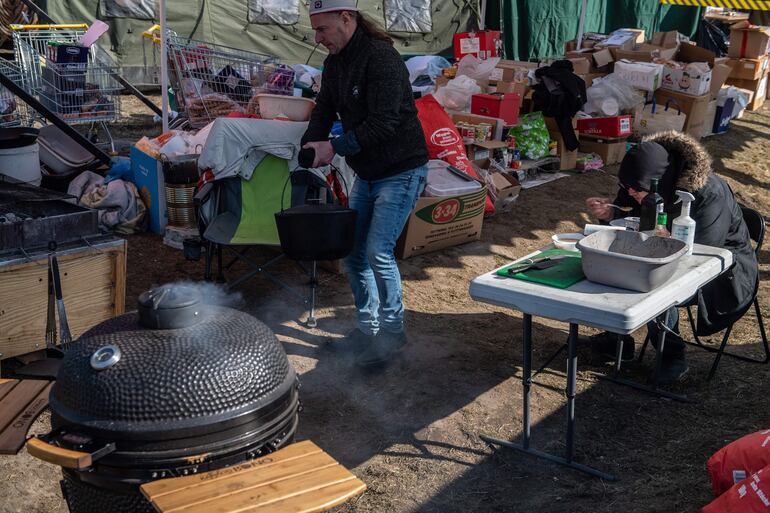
(598, 306)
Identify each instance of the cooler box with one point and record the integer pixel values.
(503, 106)
(483, 45)
(148, 178)
(612, 127)
(444, 181)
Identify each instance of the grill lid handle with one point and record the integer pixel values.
(66, 458)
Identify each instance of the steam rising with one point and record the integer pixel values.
(211, 294)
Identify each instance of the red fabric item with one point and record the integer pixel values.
(752, 495)
(444, 141)
(738, 460)
(333, 180)
(744, 43)
(236, 114)
(206, 177)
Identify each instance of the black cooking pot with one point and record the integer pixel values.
(164, 394)
(18, 137)
(180, 170)
(316, 231)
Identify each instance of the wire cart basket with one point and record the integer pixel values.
(76, 83)
(12, 111)
(211, 80)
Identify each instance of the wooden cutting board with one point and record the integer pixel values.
(300, 478)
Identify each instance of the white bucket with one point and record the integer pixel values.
(21, 164)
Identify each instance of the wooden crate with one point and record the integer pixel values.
(93, 285)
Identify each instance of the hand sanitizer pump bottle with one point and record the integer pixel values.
(683, 227)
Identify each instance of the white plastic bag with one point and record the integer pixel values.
(610, 95)
(456, 95)
(475, 68)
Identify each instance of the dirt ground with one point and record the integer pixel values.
(411, 432)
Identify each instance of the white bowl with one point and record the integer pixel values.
(566, 240)
(618, 222)
(293, 107)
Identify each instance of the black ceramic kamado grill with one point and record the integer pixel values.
(179, 387)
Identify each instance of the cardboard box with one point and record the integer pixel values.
(590, 39)
(520, 88)
(503, 106)
(694, 107)
(148, 178)
(591, 77)
(497, 124)
(483, 45)
(688, 81)
(599, 60)
(668, 39)
(711, 113)
(644, 53)
(748, 69)
(610, 127)
(611, 153)
(748, 42)
(438, 223)
(758, 87)
(508, 190)
(512, 71)
(624, 38)
(641, 75)
(482, 151)
(568, 159)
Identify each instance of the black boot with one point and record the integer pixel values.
(353, 343)
(672, 369)
(386, 345)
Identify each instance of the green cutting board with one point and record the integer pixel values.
(562, 276)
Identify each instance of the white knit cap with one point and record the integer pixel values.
(321, 6)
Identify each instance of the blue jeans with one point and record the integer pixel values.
(383, 207)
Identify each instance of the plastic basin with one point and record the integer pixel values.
(630, 260)
(293, 107)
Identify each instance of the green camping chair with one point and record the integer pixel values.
(242, 217)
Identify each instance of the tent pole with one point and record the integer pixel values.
(483, 11)
(582, 23)
(163, 66)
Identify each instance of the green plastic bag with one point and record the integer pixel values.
(532, 137)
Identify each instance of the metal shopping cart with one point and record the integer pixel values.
(78, 84)
(211, 80)
(12, 111)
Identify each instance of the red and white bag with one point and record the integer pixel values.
(444, 141)
(752, 495)
(738, 460)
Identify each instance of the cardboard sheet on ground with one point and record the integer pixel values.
(567, 273)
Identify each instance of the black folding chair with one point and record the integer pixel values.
(756, 225)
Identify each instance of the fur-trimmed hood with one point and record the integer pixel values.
(688, 156)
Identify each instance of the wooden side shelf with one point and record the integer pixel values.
(21, 401)
(300, 478)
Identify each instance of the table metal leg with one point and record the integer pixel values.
(526, 381)
(571, 388)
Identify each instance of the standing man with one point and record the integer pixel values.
(365, 82)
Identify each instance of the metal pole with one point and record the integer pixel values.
(163, 66)
(526, 378)
(483, 11)
(571, 390)
(582, 23)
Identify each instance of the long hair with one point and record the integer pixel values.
(371, 28)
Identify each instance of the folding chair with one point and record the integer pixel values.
(238, 215)
(756, 225)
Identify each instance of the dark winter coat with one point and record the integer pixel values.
(719, 223)
(367, 84)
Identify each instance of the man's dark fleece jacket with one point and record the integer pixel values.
(367, 83)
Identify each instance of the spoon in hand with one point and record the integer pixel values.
(622, 209)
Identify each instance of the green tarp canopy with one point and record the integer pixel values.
(537, 29)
